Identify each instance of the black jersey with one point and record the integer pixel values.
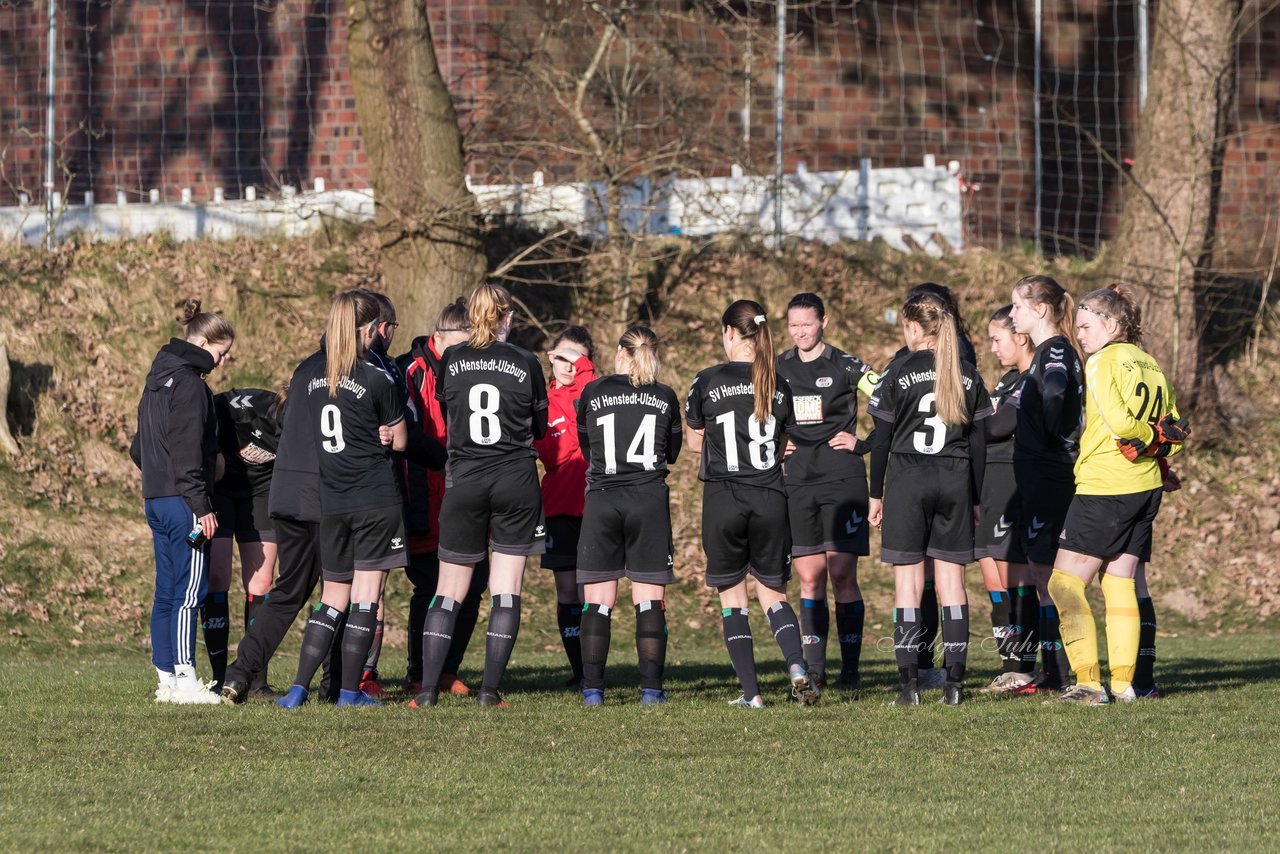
(246, 416)
(1050, 405)
(628, 435)
(736, 446)
(355, 467)
(1000, 448)
(495, 402)
(295, 480)
(905, 399)
(825, 397)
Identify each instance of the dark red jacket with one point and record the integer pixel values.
(424, 488)
(564, 486)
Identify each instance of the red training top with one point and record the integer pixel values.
(420, 377)
(564, 486)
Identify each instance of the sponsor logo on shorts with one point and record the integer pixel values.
(854, 523)
(1002, 527)
(1063, 535)
(1033, 530)
(823, 382)
(671, 560)
(396, 543)
(540, 531)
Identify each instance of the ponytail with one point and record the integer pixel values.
(641, 346)
(202, 324)
(350, 311)
(748, 319)
(936, 321)
(486, 307)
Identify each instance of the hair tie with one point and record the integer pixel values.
(760, 319)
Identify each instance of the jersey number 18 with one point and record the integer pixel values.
(760, 441)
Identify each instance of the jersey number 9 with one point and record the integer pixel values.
(331, 429)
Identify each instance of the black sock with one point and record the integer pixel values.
(815, 624)
(504, 627)
(357, 638)
(1144, 676)
(1053, 657)
(786, 631)
(253, 604)
(595, 644)
(928, 626)
(651, 642)
(737, 639)
(468, 616)
(955, 640)
(331, 681)
(437, 637)
(215, 619)
(906, 640)
(1026, 623)
(1001, 628)
(375, 652)
(569, 618)
(322, 626)
(849, 619)
(424, 585)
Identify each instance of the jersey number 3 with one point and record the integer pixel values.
(929, 441)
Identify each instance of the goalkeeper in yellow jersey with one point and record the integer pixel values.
(1131, 425)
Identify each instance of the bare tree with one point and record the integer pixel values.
(429, 221)
(1165, 242)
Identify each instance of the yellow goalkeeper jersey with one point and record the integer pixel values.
(1126, 393)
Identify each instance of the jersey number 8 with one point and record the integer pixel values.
(483, 402)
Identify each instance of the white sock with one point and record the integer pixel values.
(165, 678)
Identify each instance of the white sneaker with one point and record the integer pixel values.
(188, 690)
(1007, 682)
(1128, 695)
(932, 679)
(756, 702)
(167, 682)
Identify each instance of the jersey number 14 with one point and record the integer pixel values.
(640, 451)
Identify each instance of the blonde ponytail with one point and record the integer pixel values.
(641, 346)
(937, 321)
(350, 311)
(486, 307)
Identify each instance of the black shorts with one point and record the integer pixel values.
(500, 511)
(562, 542)
(829, 517)
(1044, 497)
(364, 540)
(626, 531)
(1107, 526)
(928, 511)
(243, 516)
(994, 536)
(745, 529)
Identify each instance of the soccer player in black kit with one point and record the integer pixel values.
(629, 431)
(736, 415)
(494, 399)
(926, 410)
(826, 485)
(1050, 404)
(362, 533)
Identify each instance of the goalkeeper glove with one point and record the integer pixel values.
(1168, 430)
(1169, 480)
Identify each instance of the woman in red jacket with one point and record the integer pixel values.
(564, 485)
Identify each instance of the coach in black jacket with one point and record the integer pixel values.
(176, 447)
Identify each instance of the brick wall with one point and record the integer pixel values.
(211, 93)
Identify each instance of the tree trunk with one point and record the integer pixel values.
(1164, 244)
(428, 220)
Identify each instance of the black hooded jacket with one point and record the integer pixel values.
(176, 445)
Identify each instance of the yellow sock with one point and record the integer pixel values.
(1079, 634)
(1123, 627)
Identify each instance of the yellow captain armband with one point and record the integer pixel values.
(867, 382)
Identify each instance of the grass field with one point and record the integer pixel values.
(89, 763)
